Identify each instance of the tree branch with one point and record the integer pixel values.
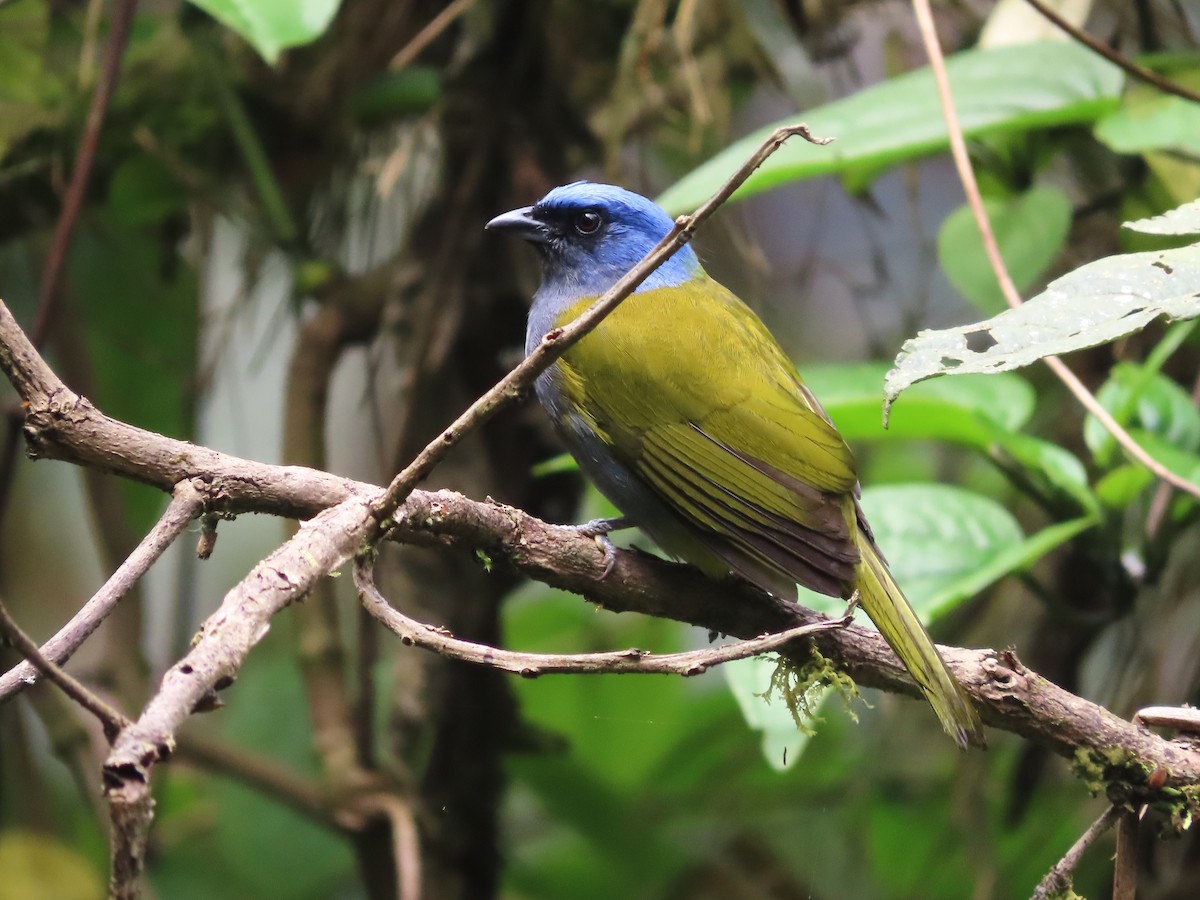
(184, 506)
(112, 719)
(217, 654)
(532, 665)
(1139, 72)
(65, 426)
(1058, 879)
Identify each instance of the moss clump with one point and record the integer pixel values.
(1124, 780)
(803, 686)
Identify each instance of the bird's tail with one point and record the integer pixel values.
(884, 602)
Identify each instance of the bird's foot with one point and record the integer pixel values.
(599, 529)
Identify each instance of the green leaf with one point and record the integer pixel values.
(271, 26)
(852, 394)
(1152, 402)
(1061, 469)
(748, 681)
(1030, 230)
(1181, 220)
(1099, 302)
(1009, 560)
(937, 535)
(945, 544)
(1151, 120)
(1119, 488)
(1003, 89)
(978, 411)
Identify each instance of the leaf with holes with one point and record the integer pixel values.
(1181, 220)
(1097, 303)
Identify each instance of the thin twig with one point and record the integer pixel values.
(406, 841)
(1182, 718)
(118, 34)
(1139, 72)
(76, 192)
(429, 33)
(111, 718)
(962, 162)
(266, 775)
(1125, 867)
(184, 506)
(1161, 501)
(1058, 879)
(531, 665)
(559, 340)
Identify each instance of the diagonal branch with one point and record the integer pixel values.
(216, 657)
(111, 718)
(1057, 882)
(1139, 72)
(559, 340)
(184, 506)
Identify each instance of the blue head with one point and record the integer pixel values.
(589, 235)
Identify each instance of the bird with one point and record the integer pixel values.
(685, 412)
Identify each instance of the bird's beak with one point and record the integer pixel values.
(522, 223)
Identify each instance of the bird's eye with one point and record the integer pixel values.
(588, 222)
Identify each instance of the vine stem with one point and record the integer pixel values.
(962, 162)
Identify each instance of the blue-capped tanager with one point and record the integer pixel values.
(683, 410)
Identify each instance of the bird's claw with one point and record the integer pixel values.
(598, 529)
(610, 554)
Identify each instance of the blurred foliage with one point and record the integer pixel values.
(241, 186)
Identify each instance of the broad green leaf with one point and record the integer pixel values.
(1151, 120)
(852, 394)
(1004, 89)
(1125, 483)
(1152, 402)
(1181, 220)
(978, 411)
(1183, 463)
(271, 26)
(935, 535)
(1099, 302)
(1030, 230)
(1009, 560)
